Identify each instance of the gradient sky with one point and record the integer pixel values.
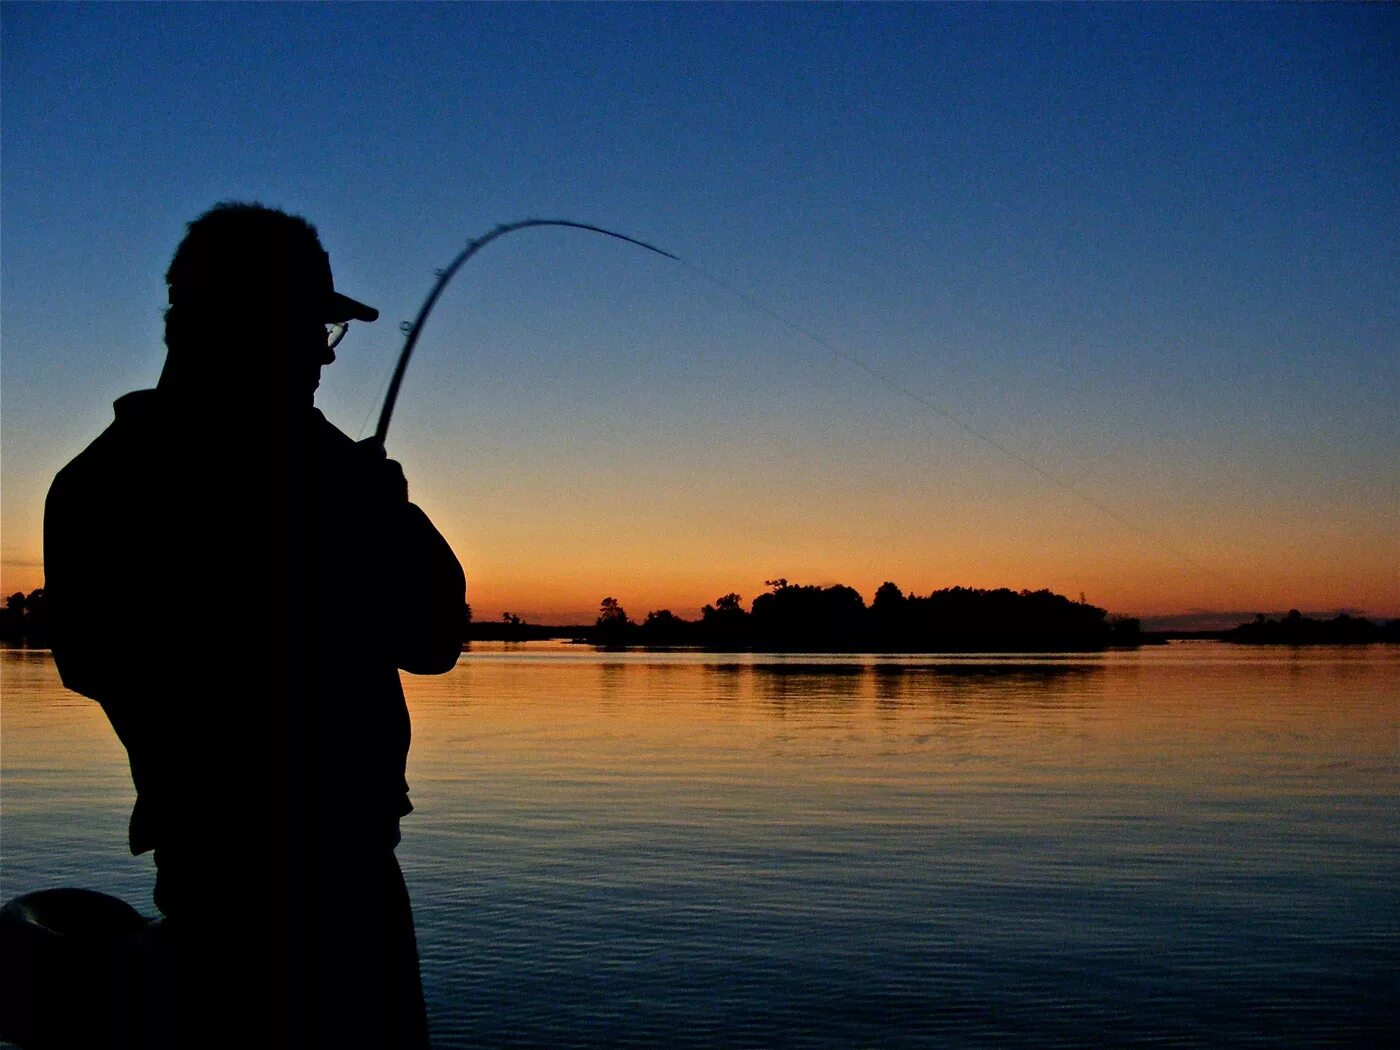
(1153, 249)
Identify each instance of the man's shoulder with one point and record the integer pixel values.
(330, 434)
(120, 441)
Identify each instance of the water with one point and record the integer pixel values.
(1189, 845)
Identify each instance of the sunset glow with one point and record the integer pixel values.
(1147, 251)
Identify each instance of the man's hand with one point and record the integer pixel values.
(383, 474)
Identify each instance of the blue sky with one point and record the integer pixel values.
(1152, 248)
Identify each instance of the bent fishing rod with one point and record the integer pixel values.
(415, 329)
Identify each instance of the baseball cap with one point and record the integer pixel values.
(246, 257)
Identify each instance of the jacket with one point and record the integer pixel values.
(240, 606)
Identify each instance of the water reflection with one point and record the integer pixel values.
(793, 689)
(1195, 844)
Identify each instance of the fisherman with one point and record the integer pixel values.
(238, 583)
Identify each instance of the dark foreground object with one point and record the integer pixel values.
(74, 970)
(339, 968)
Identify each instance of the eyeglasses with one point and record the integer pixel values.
(335, 333)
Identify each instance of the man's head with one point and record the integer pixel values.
(251, 294)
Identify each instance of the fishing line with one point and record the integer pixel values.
(952, 417)
(414, 330)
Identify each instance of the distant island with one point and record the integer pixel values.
(836, 619)
(1297, 629)
(798, 617)
(955, 619)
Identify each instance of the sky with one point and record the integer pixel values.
(1149, 251)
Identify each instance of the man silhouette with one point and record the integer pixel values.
(237, 583)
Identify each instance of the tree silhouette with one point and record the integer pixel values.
(1297, 629)
(12, 618)
(663, 627)
(729, 603)
(725, 623)
(611, 626)
(22, 619)
(803, 616)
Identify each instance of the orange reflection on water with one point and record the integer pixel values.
(1161, 724)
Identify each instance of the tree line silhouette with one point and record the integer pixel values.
(22, 619)
(1297, 629)
(797, 616)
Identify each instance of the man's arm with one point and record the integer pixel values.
(428, 621)
(430, 617)
(92, 656)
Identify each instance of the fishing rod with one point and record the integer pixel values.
(381, 431)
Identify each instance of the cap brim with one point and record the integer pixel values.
(342, 308)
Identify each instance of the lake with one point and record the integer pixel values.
(1194, 844)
